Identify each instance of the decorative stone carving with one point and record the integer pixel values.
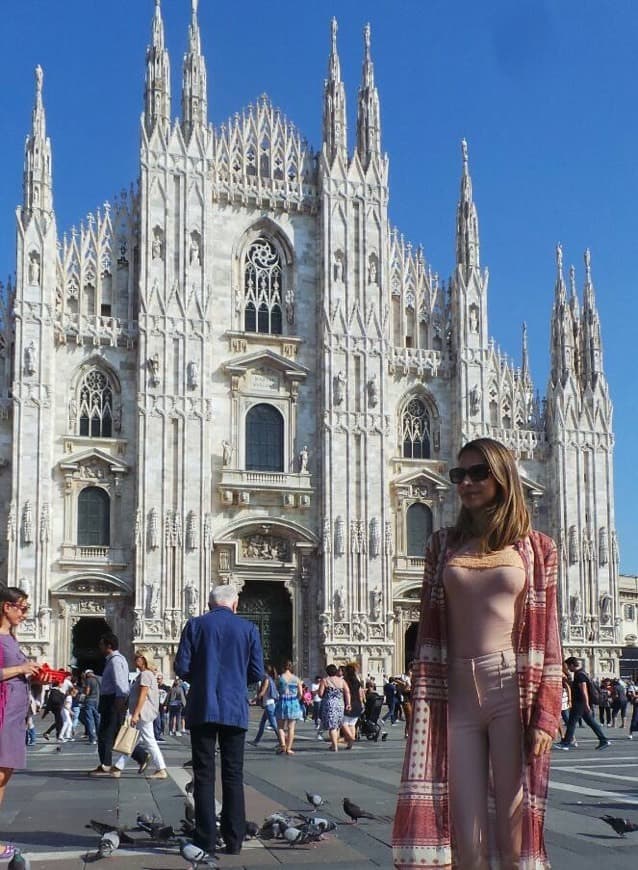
(372, 269)
(44, 523)
(588, 553)
(338, 388)
(44, 618)
(355, 543)
(177, 528)
(191, 531)
(362, 536)
(290, 306)
(387, 538)
(153, 365)
(157, 245)
(30, 359)
(194, 249)
(138, 535)
(376, 604)
(573, 545)
(25, 584)
(191, 599)
(73, 413)
(303, 460)
(338, 266)
(266, 547)
(339, 605)
(564, 626)
(340, 543)
(34, 268)
(27, 524)
(227, 453)
(375, 537)
(575, 609)
(603, 547)
(615, 551)
(326, 536)
(93, 470)
(475, 399)
(473, 319)
(192, 374)
(152, 595)
(153, 530)
(605, 605)
(373, 391)
(138, 625)
(208, 532)
(360, 627)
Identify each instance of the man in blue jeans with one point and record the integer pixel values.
(581, 706)
(89, 715)
(219, 654)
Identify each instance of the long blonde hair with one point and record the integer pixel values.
(507, 519)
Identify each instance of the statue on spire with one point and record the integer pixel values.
(334, 103)
(559, 257)
(369, 113)
(37, 178)
(587, 266)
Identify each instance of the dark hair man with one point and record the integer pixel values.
(582, 701)
(218, 654)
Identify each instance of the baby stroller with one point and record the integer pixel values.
(368, 724)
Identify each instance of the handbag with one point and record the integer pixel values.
(126, 739)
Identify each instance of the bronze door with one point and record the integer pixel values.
(268, 605)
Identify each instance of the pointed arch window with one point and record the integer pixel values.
(264, 439)
(94, 517)
(96, 405)
(419, 529)
(415, 429)
(263, 275)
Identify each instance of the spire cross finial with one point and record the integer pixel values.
(572, 280)
(366, 40)
(465, 154)
(588, 265)
(194, 4)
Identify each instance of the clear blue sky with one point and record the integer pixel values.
(544, 91)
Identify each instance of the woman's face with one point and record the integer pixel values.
(16, 612)
(139, 663)
(475, 495)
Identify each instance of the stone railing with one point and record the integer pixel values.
(73, 554)
(409, 360)
(241, 487)
(99, 330)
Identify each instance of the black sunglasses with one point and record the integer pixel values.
(476, 473)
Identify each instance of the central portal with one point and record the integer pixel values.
(268, 605)
(86, 633)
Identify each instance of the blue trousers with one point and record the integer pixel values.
(91, 719)
(267, 716)
(578, 712)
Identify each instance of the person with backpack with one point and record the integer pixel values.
(54, 704)
(267, 696)
(585, 695)
(619, 702)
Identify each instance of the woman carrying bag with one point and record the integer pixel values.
(143, 705)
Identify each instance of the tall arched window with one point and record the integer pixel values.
(96, 405)
(264, 439)
(415, 427)
(94, 517)
(262, 288)
(419, 528)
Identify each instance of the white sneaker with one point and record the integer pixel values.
(630, 737)
(319, 737)
(178, 734)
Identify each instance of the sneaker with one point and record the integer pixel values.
(562, 746)
(100, 770)
(115, 773)
(254, 742)
(93, 742)
(159, 774)
(46, 736)
(178, 734)
(160, 740)
(319, 737)
(630, 737)
(145, 763)
(604, 744)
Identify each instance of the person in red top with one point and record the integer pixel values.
(486, 686)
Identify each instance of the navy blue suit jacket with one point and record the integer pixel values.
(219, 654)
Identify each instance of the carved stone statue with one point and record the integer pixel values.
(340, 542)
(326, 542)
(603, 546)
(474, 323)
(575, 609)
(290, 307)
(154, 369)
(34, 269)
(138, 624)
(338, 387)
(192, 373)
(27, 524)
(605, 609)
(376, 604)
(44, 617)
(156, 246)
(227, 453)
(375, 537)
(194, 254)
(25, 584)
(564, 626)
(373, 391)
(339, 605)
(338, 266)
(29, 359)
(153, 531)
(475, 399)
(191, 599)
(573, 545)
(372, 271)
(303, 460)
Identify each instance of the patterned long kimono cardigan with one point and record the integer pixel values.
(421, 834)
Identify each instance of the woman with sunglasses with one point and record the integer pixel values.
(486, 689)
(14, 691)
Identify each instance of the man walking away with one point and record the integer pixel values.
(219, 654)
(582, 700)
(112, 705)
(54, 704)
(90, 716)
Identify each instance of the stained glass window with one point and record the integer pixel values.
(262, 288)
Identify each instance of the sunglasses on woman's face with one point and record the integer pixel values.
(23, 607)
(476, 473)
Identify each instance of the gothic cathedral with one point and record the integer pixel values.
(239, 371)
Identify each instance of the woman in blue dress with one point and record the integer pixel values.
(14, 691)
(287, 708)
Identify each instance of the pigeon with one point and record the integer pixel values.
(295, 837)
(620, 826)
(19, 862)
(105, 828)
(109, 843)
(195, 856)
(356, 813)
(252, 829)
(315, 800)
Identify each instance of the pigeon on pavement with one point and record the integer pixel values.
(315, 800)
(355, 812)
(252, 829)
(109, 843)
(620, 826)
(195, 856)
(295, 837)
(105, 828)
(19, 862)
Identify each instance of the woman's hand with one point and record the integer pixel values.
(539, 742)
(135, 718)
(29, 669)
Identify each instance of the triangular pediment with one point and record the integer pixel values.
(421, 479)
(94, 459)
(267, 359)
(531, 487)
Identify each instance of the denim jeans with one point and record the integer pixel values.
(578, 712)
(91, 719)
(267, 716)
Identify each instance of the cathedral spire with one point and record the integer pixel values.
(37, 182)
(560, 292)
(194, 103)
(564, 330)
(592, 350)
(334, 104)
(525, 354)
(369, 113)
(467, 230)
(157, 91)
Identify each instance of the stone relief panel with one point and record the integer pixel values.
(268, 547)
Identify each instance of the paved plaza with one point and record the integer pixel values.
(48, 805)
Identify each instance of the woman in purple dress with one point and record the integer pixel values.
(14, 691)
